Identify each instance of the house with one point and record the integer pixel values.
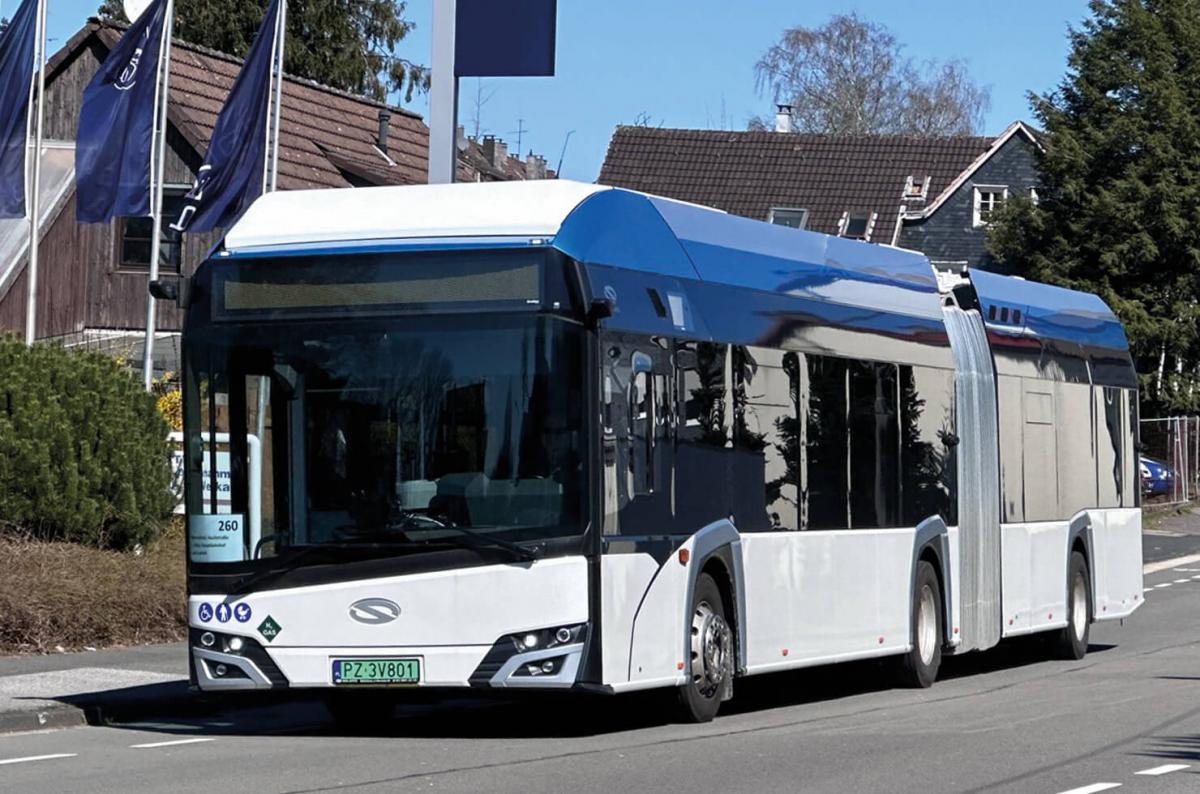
(93, 278)
(933, 195)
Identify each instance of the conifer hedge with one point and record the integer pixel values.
(83, 452)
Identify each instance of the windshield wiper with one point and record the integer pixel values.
(293, 562)
(478, 539)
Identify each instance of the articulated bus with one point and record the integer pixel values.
(550, 435)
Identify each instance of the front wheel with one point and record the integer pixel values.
(711, 672)
(919, 667)
(1072, 641)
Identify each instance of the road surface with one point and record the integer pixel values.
(1126, 719)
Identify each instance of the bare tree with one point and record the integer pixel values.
(851, 77)
(481, 98)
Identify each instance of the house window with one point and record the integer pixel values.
(785, 216)
(137, 233)
(916, 188)
(988, 199)
(857, 225)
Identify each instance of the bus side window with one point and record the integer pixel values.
(642, 425)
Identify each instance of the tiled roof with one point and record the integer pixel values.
(328, 136)
(748, 173)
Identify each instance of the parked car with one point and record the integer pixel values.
(1157, 477)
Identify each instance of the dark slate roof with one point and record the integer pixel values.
(747, 173)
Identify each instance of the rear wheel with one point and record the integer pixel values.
(919, 667)
(1072, 641)
(711, 672)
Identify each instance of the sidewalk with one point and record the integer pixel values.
(68, 689)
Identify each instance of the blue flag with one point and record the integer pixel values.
(16, 78)
(116, 123)
(232, 174)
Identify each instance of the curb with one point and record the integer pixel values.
(42, 719)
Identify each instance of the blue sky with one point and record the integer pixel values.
(690, 63)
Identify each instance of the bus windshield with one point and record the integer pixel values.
(382, 434)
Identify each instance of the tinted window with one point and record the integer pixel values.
(874, 445)
(704, 442)
(928, 467)
(766, 439)
(825, 444)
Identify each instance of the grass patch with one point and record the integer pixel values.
(73, 596)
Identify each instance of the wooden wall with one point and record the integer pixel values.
(80, 283)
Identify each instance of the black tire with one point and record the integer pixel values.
(919, 667)
(1072, 641)
(711, 666)
(364, 710)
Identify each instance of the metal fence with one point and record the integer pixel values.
(1170, 459)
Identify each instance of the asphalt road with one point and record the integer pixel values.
(1004, 721)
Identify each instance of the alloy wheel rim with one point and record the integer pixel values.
(1079, 606)
(926, 625)
(711, 649)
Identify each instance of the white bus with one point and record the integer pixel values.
(554, 435)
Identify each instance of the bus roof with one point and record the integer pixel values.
(613, 227)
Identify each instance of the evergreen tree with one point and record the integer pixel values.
(1119, 206)
(347, 44)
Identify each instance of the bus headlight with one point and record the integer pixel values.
(548, 638)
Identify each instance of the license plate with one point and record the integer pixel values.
(376, 671)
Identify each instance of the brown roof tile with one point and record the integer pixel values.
(748, 173)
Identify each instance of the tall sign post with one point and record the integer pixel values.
(482, 38)
(35, 189)
(443, 95)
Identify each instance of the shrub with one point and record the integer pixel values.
(83, 450)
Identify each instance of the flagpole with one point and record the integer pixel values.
(280, 36)
(158, 158)
(34, 199)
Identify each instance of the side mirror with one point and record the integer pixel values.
(601, 309)
(178, 290)
(164, 290)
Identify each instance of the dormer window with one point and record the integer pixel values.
(791, 217)
(916, 188)
(857, 225)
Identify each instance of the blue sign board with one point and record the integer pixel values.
(505, 38)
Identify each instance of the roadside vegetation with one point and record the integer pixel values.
(89, 553)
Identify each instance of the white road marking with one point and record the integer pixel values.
(1164, 584)
(1182, 581)
(173, 743)
(1197, 576)
(37, 758)
(1187, 570)
(1147, 589)
(1092, 789)
(1165, 769)
(1166, 565)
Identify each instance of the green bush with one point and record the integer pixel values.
(83, 452)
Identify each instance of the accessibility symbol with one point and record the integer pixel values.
(242, 612)
(205, 612)
(223, 612)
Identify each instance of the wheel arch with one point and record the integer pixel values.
(931, 544)
(717, 550)
(1080, 538)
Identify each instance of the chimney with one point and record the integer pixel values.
(535, 167)
(460, 138)
(783, 118)
(501, 154)
(385, 116)
(489, 148)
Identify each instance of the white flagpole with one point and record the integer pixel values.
(33, 198)
(280, 36)
(158, 160)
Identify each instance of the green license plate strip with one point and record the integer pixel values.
(376, 671)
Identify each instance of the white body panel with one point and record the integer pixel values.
(625, 579)
(655, 655)
(1034, 576)
(450, 617)
(1117, 534)
(815, 597)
